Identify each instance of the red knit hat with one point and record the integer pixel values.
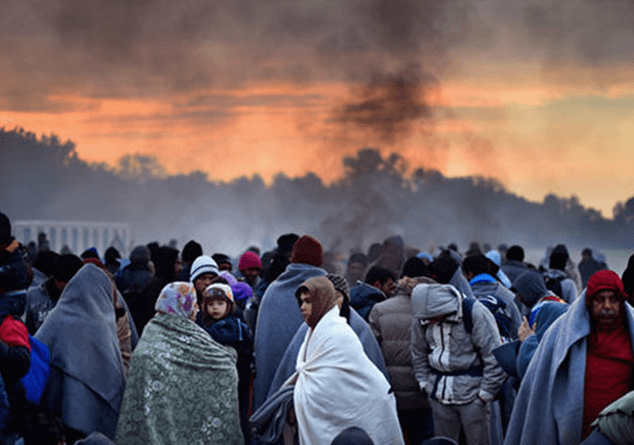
(248, 260)
(307, 250)
(605, 280)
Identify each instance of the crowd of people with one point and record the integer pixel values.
(297, 345)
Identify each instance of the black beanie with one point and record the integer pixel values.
(66, 267)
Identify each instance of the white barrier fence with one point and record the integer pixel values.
(78, 235)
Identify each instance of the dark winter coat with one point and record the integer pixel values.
(514, 269)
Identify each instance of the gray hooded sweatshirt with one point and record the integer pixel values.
(451, 365)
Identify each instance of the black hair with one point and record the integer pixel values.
(112, 256)
(558, 260)
(380, 274)
(66, 267)
(358, 257)
(415, 267)
(285, 243)
(191, 251)
(45, 261)
(444, 267)
(5, 229)
(221, 258)
(515, 253)
(164, 262)
(478, 264)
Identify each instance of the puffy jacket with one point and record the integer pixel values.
(451, 365)
(391, 323)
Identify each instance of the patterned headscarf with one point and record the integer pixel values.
(177, 298)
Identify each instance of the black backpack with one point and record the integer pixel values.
(496, 306)
(554, 285)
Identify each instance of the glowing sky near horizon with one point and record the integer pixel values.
(537, 94)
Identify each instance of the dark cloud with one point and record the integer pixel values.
(388, 105)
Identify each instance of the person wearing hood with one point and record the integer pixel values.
(183, 385)
(495, 257)
(279, 317)
(454, 367)
(41, 300)
(370, 345)
(557, 403)
(530, 338)
(532, 293)
(87, 376)
(336, 385)
(379, 285)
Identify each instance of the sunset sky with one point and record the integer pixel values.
(539, 94)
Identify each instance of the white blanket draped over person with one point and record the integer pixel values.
(336, 385)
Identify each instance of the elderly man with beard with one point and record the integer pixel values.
(557, 402)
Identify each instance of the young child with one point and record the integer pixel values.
(225, 328)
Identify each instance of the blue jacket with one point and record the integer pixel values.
(549, 405)
(363, 297)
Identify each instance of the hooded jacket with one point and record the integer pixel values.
(451, 365)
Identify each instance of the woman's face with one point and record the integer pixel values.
(306, 305)
(216, 308)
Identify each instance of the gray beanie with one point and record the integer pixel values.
(530, 285)
(140, 254)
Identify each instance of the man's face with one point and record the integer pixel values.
(202, 281)
(388, 287)
(222, 267)
(356, 271)
(250, 274)
(606, 307)
(306, 306)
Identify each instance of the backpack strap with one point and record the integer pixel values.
(467, 313)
